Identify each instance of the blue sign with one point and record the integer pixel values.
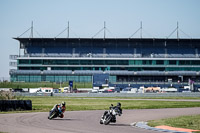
(71, 83)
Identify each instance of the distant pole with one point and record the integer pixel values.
(19, 49)
(32, 29)
(104, 29)
(177, 31)
(68, 30)
(141, 29)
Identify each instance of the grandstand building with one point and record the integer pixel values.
(117, 61)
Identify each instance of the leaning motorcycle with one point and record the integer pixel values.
(110, 116)
(54, 112)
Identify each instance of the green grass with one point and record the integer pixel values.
(192, 98)
(190, 122)
(44, 104)
(20, 85)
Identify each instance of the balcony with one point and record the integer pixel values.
(103, 55)
(13, 57)
(13, 64)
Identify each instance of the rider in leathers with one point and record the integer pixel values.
(61, 109)
(114, 117)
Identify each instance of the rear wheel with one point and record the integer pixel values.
(101, 121)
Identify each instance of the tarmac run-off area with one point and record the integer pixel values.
(86, 121)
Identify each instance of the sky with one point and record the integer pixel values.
(86, 17)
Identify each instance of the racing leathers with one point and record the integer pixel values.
(61, 109)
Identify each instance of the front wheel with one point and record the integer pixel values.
(107, 119)
(52, 115)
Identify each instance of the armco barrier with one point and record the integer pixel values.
(152, 95)
(8, 105)
(178, 94)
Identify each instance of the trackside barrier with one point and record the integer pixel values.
(154, 95)
(8, 105)
(178, 94)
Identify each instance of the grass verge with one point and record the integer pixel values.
(189, 122)
(44, 104)
(186, 98)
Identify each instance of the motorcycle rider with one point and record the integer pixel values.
(119, 107)
(61, 108)
(114, 117)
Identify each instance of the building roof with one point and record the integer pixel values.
(108, 39)
(26, 42)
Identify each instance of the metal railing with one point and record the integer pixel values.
(70, 55)
(13, 57)
(13, 64)
(153, 83)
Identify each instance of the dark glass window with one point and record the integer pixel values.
(23, 61)
(147, 62)
(98, 62)
(195, 62)
(172, 62)
(36, 61)
(159, 62)
(138, 62)
(73, 62)
(122, 62)
(184, 62)
(85, 62)
(110, 62)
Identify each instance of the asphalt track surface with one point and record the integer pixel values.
(86, 121)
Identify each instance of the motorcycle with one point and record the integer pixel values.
(110, 116)
(54, 112)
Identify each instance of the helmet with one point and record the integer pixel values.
(63, 103)
(119, 104)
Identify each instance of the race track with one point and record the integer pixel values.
(85, 121)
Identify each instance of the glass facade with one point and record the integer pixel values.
(50, 78)
(26, 78)
(112, 79)
(44, 57)
(107, 65)
(108, 62)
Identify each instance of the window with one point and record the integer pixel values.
(98, 62)
(23, 61)
(73, 62)
(36, 61)
(122, 62)
(85, 62)
(172, 62)
(184, 62)
(110, 62)
(159, 62)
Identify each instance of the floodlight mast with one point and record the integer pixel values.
(31, 36)
(104, 30)
(177, 31)
(68, 30)
(141, 29)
